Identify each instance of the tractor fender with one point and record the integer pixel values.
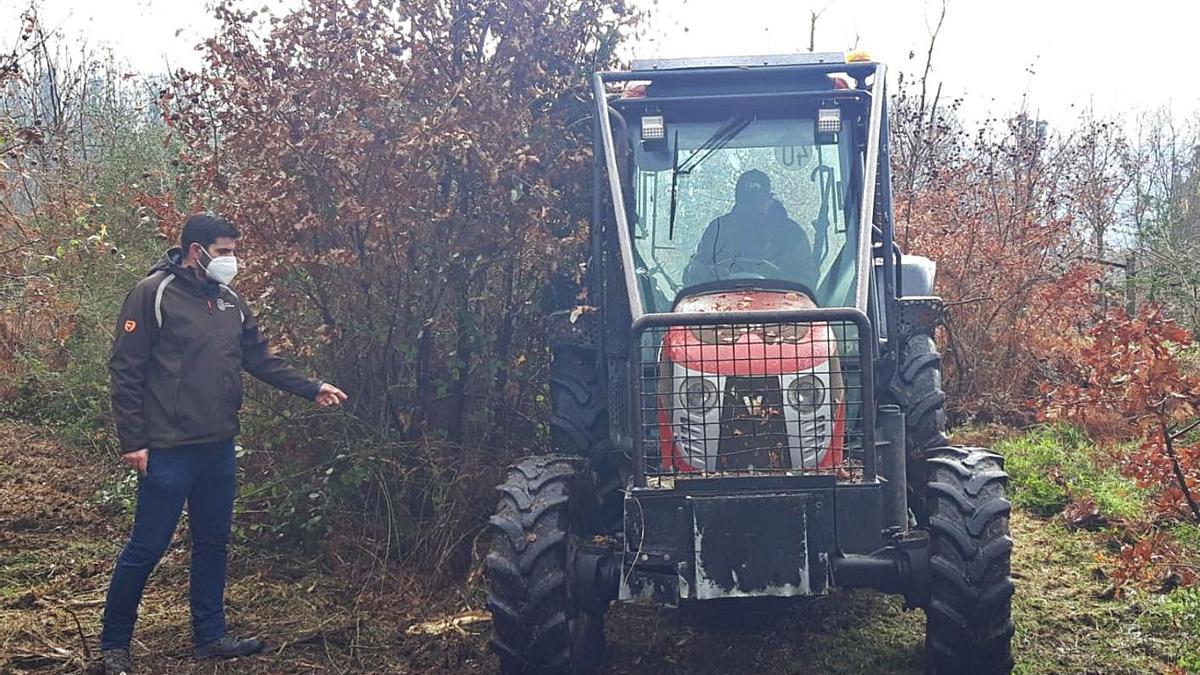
(917, 274)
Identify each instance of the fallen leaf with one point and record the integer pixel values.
(579, 311)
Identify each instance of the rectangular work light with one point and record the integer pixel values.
(829, 120)
(653, 128)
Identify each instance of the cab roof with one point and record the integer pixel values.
(774, 60)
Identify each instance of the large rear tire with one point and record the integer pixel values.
(969, 619)
(579, 422)
(924, 402)
(578, 403)
(539, 626)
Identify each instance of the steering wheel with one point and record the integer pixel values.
(741, 267)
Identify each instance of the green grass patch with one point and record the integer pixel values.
(1177, 613)
(1052, 465)
(118, 493)
(1067, 620)
(1188, 534)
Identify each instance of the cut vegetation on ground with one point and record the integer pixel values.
(62, 522)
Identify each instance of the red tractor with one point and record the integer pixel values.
(754, 408)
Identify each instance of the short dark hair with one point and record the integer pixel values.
(204, 228)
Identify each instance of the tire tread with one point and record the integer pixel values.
(969, 627)
(527, 567)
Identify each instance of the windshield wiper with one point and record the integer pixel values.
(719, 139)
(674, 185)
(823, 177)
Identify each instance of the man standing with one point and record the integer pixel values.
(182, 340)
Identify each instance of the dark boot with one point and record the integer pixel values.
(116, 662)
(228, 647)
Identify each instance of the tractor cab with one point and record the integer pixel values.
(752, 405)
(729, 194)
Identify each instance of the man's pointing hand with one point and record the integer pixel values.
(330, 395)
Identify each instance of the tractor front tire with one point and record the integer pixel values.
(969, 619)
(539, 626)
(920, 383)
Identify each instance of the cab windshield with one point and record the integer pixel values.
(728, 201)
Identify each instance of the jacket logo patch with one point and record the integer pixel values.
(130, 326)
(222, 305)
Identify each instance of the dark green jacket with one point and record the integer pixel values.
(180, 346)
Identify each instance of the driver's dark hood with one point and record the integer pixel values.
(745, 300)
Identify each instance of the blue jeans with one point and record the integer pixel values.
(204, 476)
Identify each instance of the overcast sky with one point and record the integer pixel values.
(1119, 57)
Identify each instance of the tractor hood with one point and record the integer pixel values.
(745, 300)
(748, 350)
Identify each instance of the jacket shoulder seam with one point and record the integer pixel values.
(158, 296)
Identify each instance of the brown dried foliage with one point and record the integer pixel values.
(1155, 559)
(407, 175)
(1009, 265)
(1136, 368)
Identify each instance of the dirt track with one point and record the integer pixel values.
(58, 542)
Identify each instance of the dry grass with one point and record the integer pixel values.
(57, 547)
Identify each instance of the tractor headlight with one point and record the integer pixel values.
(698, 394)
(806, 393)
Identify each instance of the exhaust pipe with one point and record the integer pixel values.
(892, 468)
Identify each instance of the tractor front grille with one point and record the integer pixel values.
(782, 398)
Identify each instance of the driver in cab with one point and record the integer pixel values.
(756, 239)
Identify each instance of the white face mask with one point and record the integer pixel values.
(221, 269)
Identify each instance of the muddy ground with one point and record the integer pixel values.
(59, 538)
